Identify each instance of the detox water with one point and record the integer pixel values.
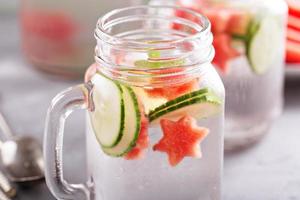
(155, 111)
(152, 177)
(253, 102)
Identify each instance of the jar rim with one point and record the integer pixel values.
(116, 52)
(101, 32)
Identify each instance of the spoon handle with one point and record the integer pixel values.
(5, 127)
(6, 186)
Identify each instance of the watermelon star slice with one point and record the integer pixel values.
(181, 139)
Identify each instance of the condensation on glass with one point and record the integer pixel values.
(161, 63)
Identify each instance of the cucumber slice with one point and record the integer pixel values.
(149, 102)
(132, 125)
(109, 115)
(263, 44)
(199, 104)
(179, 99)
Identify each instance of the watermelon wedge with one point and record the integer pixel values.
(294, 7)
(292, 52)
(181, 139)
(224, 52)
(294, 22)
(293, 35)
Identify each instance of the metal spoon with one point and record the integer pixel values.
(6, 187)
(3, 196)
(22, 157)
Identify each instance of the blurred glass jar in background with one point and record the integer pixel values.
(249, 39)
(57, 35)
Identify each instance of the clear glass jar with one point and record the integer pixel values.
(156, 111)
(249, 39)
(57, 35)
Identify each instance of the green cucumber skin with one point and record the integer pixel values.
(179, 99)
(242, 38)
(122, 123)
(138, 127)
(207, 98)
(253, 29)
(138, 119)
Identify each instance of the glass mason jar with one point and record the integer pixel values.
(56, 35)
(155, 111)
(249, 39)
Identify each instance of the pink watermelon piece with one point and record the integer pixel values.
(219, 18)
(54, 26)
(48, 35)
(225, 22)
(293, 35)
(181, 14)
(294, 7)
(143, 139)
(292, 52)
(181, 139)
(294, 22)
(224, 52)
(186, 15)
(238, 22)
(173, 92)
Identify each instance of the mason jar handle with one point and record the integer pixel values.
(61, 107)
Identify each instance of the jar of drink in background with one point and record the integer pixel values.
(249, 40)
(57, 36)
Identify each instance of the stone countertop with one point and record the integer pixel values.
(270, 169)
(267, 171)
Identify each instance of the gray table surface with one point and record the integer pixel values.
(270, 170)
